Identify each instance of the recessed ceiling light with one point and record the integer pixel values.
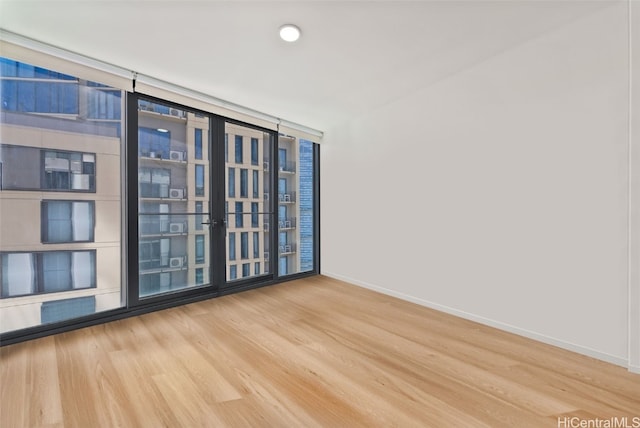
(162, 130)
(289, 33)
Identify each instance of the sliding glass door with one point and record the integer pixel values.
(174, 200)
(217, 206)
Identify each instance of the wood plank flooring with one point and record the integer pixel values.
(310, 353)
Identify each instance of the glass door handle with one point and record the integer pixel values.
(214, 222)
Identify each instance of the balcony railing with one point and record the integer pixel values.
(162, 191)
(289, 166)
(162, 109)
(285, 249)
(286, 198)
(154, 226)
(163, 264)
(170, 155)
(287, 223)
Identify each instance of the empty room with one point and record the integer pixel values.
(320, 213)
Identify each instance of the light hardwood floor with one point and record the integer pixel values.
(310, 353)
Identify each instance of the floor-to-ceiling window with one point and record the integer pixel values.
(203, 204)
(173, 199)
(296, 201)
(60, 196)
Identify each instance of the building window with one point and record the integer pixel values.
(244, 183)
(246, 269)
(239, 214)
(282, 214)
(282, 239)
(197, 152)
(67, 221)
(256, 245)
(226, 147)
(199, 180)
(60, 310)
(282, 189)
(103, 102)
(233, 272)
(254, 214)
(254, 151)
(232, 245)
(153, 254)
(256, 184)
(198, 219)
(21, 93)
(155, 183)
(283, 266)
(244, 245)
(232, 182)
(154, 143)
(47, 272)
(59, 170)
(199, 248)
(70, 171)
(239, 143)
(282, 159)
(256, 268)
(199, 276)
(152, 224)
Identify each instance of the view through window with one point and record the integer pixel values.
(60, 169)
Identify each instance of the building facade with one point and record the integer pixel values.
(60, 197)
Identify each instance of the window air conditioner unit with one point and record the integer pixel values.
(176, 228)
(175, 155)
(174, 112)
(56, 164)
(176, 262)
(76, 167)
(176, 193)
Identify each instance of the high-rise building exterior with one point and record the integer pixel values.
(60, 197)
(248, 206)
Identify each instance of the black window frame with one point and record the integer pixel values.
(129, 203)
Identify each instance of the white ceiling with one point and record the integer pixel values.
(353, 56)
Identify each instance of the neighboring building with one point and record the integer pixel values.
(248, 170)
(60, 193)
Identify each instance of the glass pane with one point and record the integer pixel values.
(61, 149)
(249, 208)
(295, 205)
(173, 200)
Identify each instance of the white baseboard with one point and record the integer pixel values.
(492, 323)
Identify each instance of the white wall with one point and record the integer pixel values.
(499, 193)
